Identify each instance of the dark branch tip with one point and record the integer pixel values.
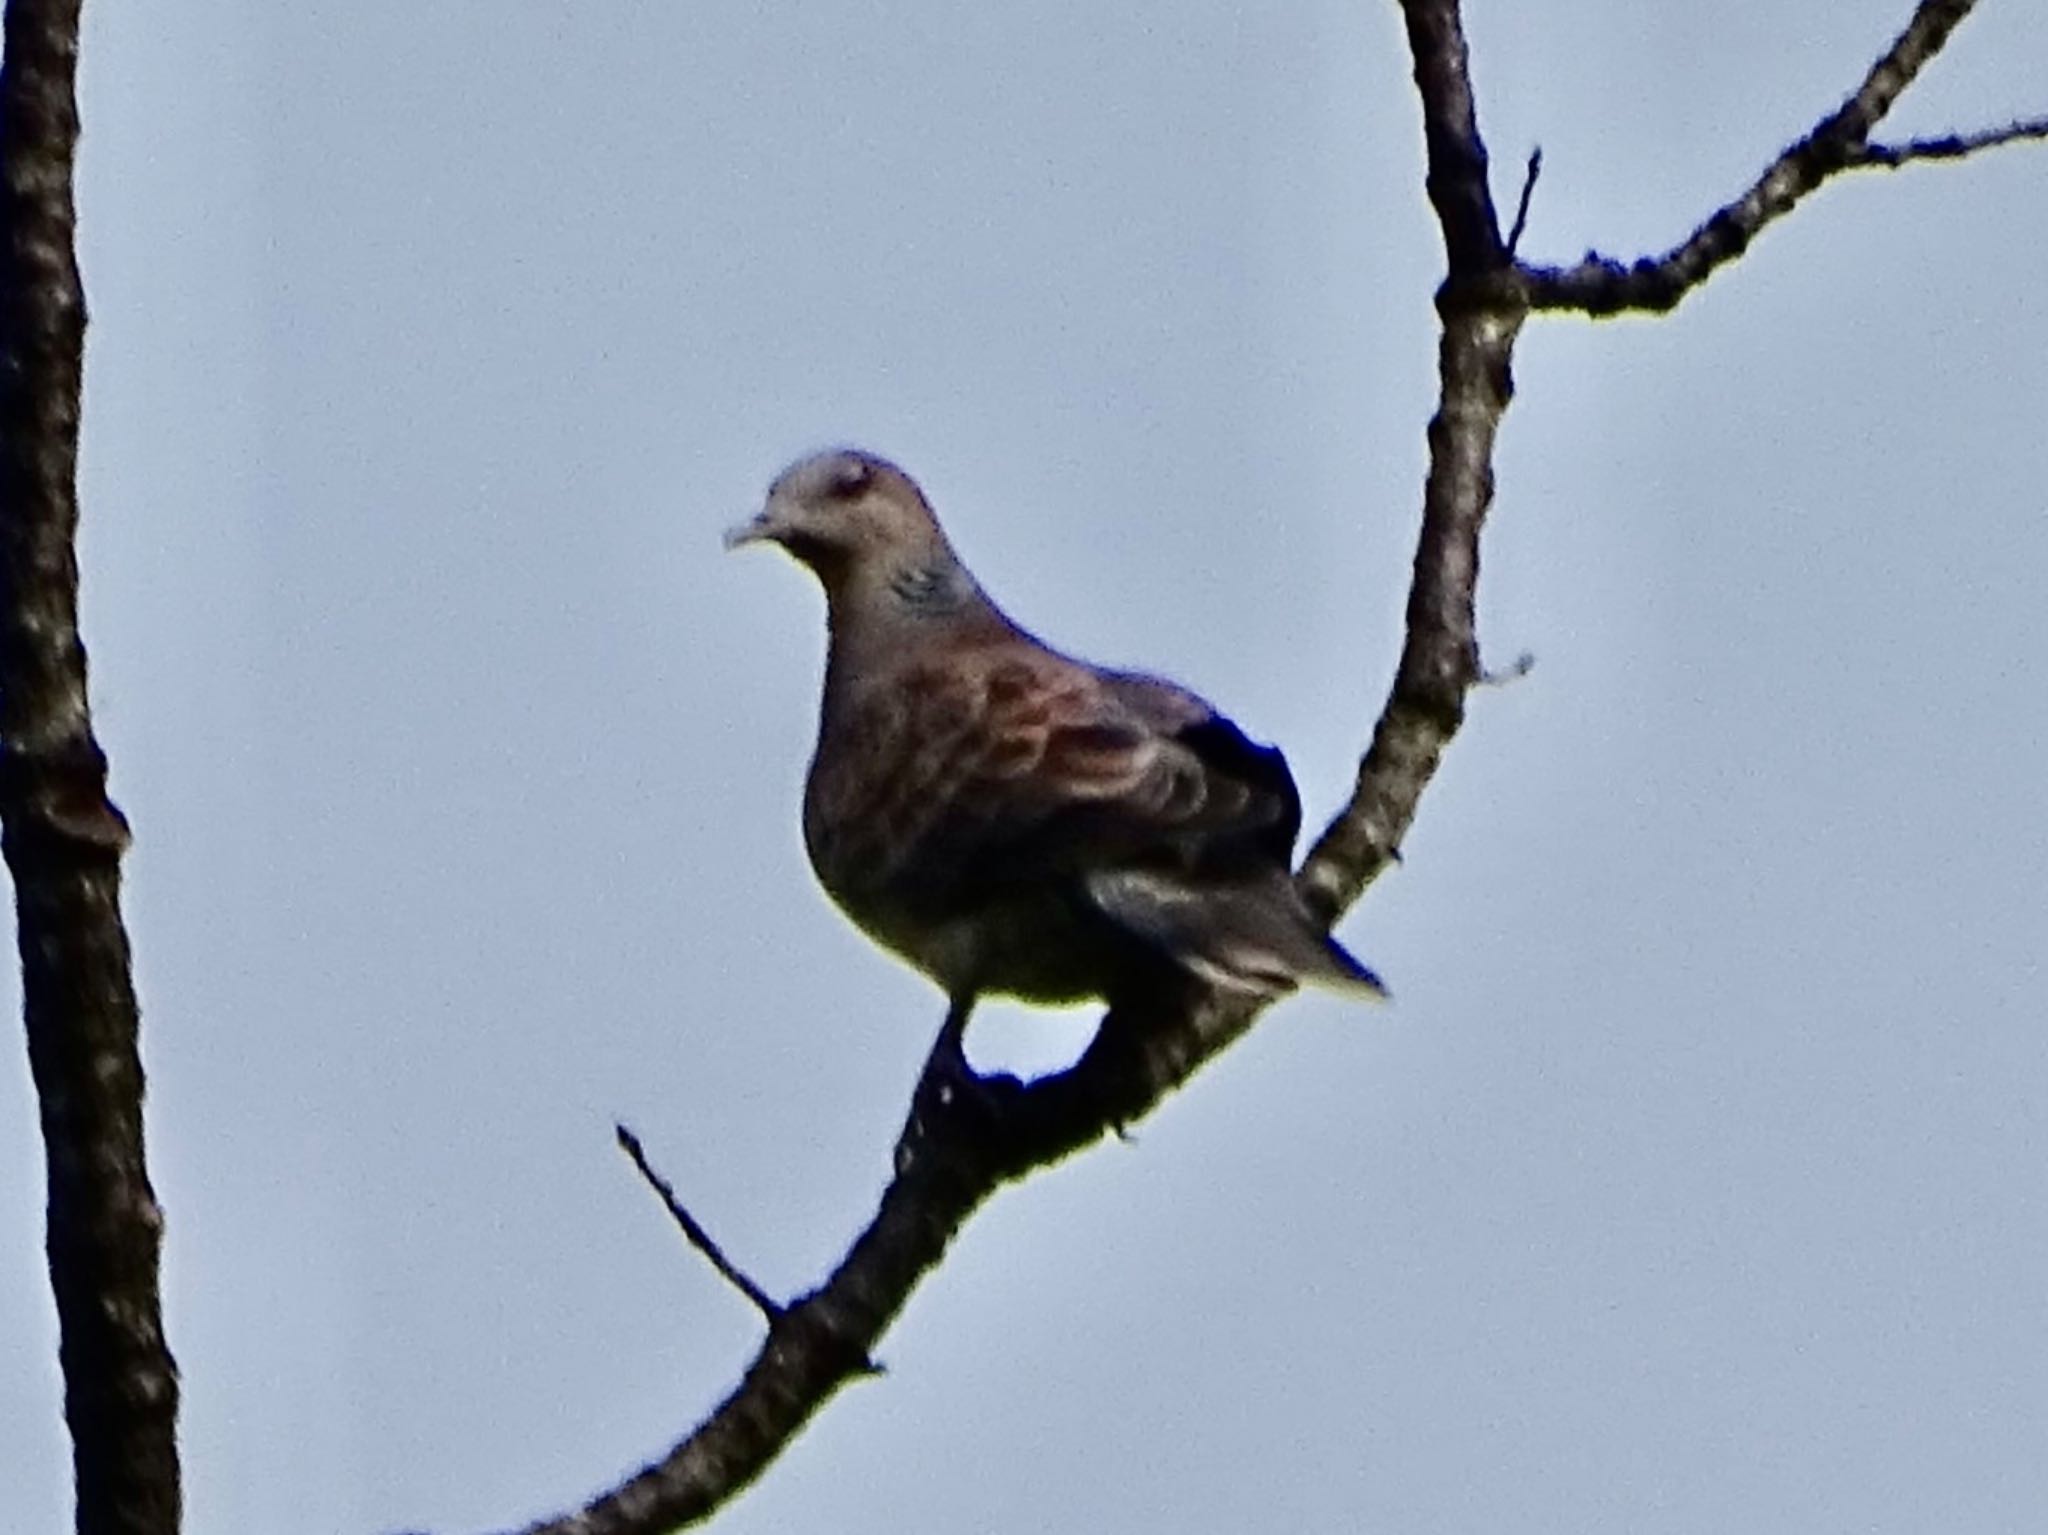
(1529, 175)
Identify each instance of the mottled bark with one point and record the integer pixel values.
(63, 838)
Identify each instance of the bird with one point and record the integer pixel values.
(1011, 820)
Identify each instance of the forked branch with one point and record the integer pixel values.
(1840, 141)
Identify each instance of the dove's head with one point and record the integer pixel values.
(862, 526)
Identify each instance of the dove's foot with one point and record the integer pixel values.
(953, 1101)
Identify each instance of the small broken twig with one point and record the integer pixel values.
(1514, 671)
(699, 1238)
(1529, 176)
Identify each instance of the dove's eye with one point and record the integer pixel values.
(849, 480)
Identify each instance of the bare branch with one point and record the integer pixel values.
(770, 1309)
(1529, 175)
(1950, 146)
(1482, 314)
(1454, 153)
(1600, 285)
(63, 837)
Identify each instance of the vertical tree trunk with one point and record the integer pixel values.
(62, 837)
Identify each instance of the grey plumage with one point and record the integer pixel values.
(1011, 820)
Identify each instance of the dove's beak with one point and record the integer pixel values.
(755, 530)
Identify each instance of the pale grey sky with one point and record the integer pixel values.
(1698, 1180)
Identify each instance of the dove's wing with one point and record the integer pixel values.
(1007, 765)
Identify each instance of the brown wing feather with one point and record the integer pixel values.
(1003, 768)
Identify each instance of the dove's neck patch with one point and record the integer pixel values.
(932, 590)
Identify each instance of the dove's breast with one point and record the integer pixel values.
(882, 851)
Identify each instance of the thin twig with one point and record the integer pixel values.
(1949, 146)
(771, 1309)
(1529, 175)
(1514, 671)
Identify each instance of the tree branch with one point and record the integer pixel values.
(694, 1233)
(1600, 285)
(959, 1147)
(63, 838)
(1948, 146)
(1530, 173)
(1482, 313)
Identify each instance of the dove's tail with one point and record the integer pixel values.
(1251, 936)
